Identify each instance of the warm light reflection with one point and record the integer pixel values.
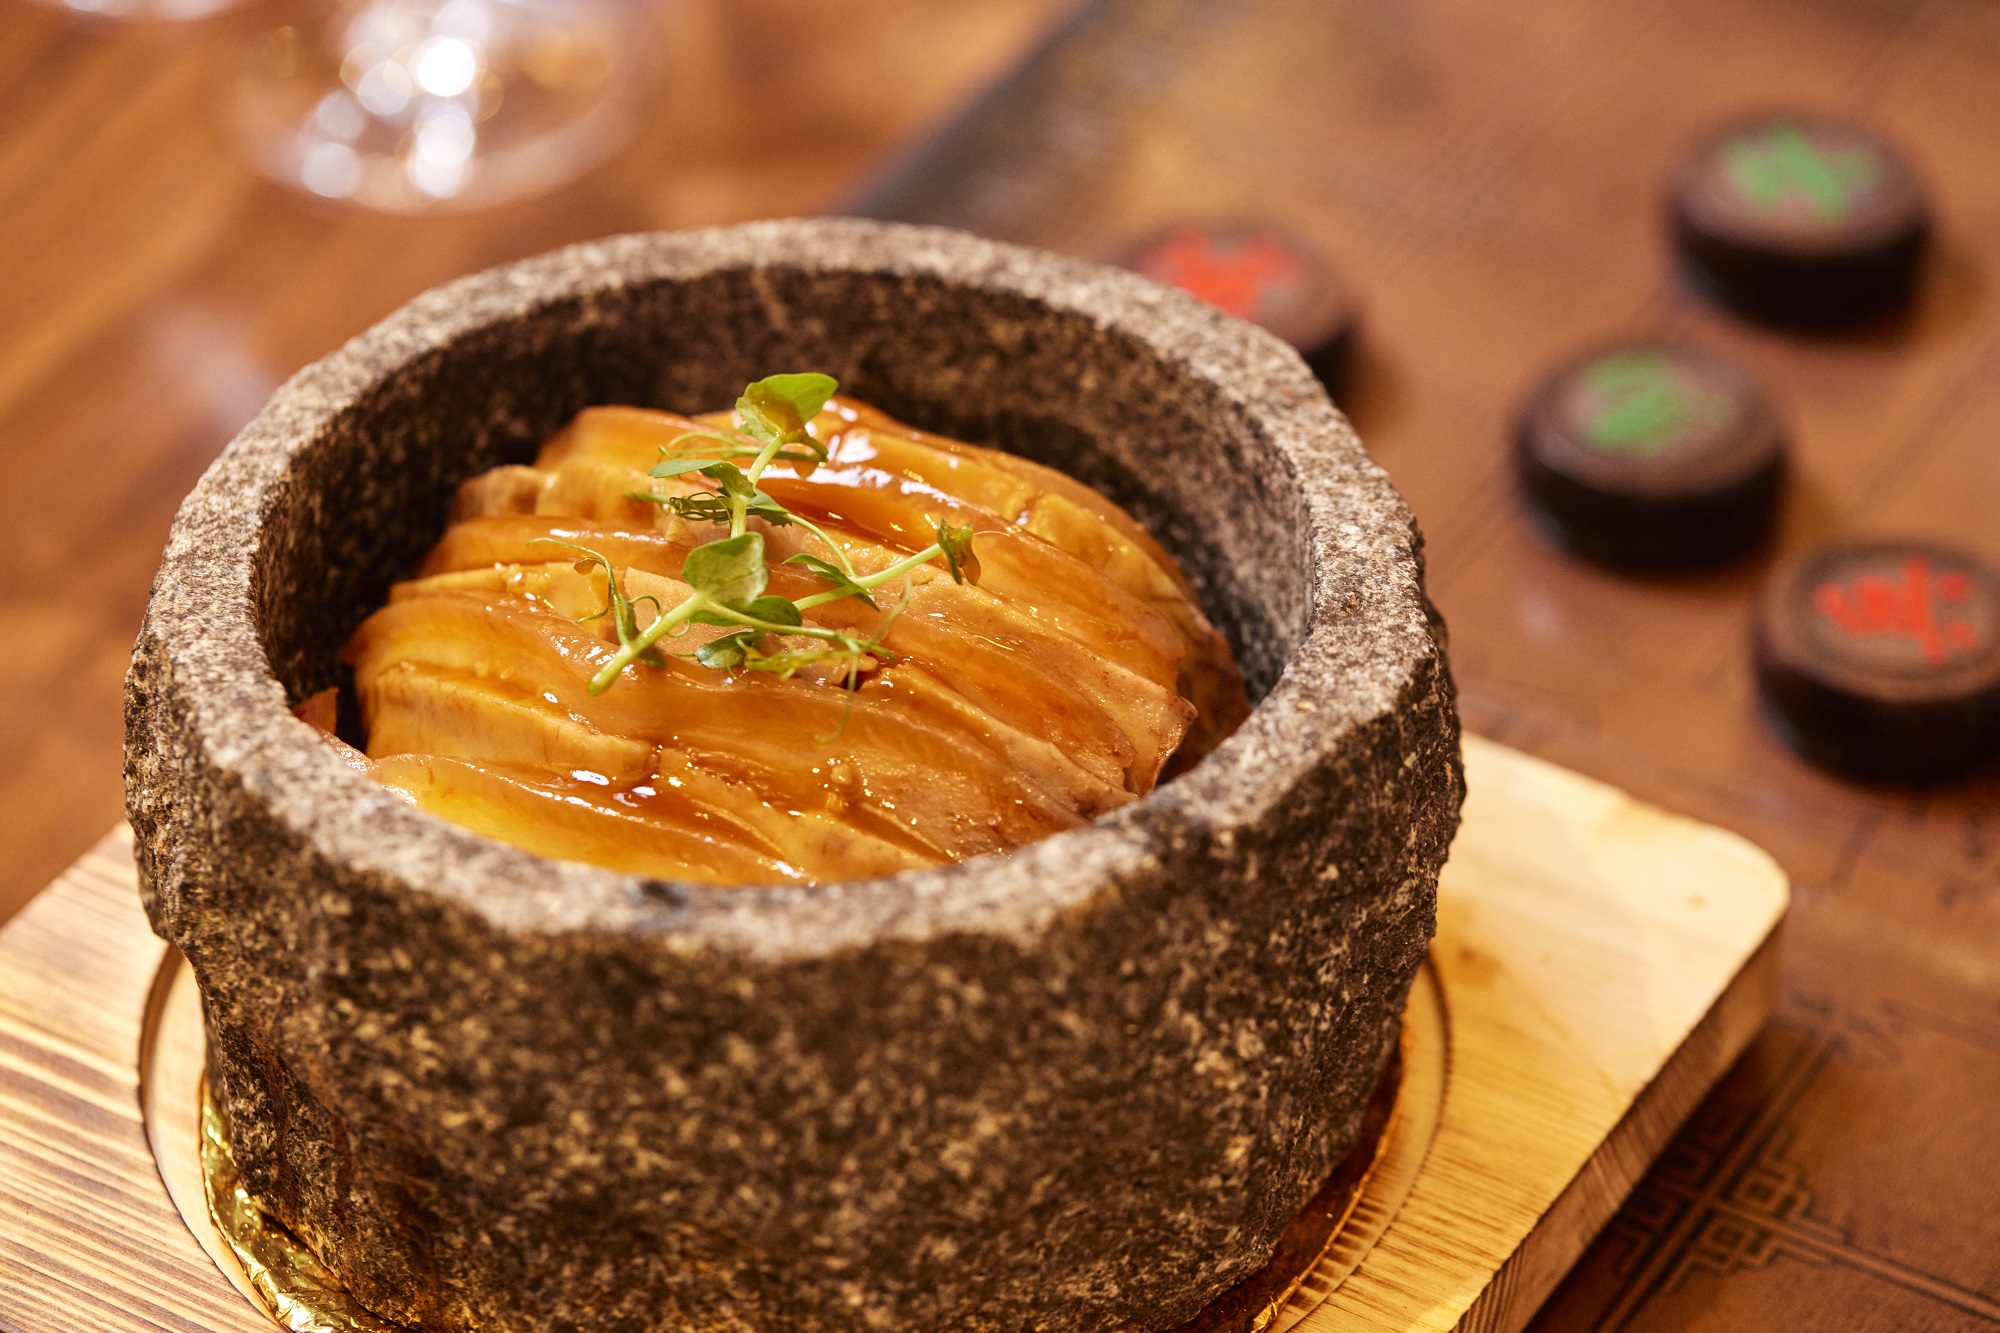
(446, 66)
(397, 104)
(420, 71)
(441, 149)
(331, 170)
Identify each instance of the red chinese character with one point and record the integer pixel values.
(1236, 279)
(1904, 608)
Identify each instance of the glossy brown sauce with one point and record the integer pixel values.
(1060, 687)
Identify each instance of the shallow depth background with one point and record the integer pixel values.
(157, 291)
(1488, 177)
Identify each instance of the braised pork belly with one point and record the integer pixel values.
(1044, 663)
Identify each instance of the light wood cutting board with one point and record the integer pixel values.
(1602, 963)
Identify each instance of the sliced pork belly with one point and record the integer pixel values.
(1062, 685)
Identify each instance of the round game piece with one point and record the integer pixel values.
(1262, 274)
(1881, 660)
(1653, 458)
(1799, 220)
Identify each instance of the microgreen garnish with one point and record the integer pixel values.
(843, 583)
(774, 411)
(956, 546)
(735, 497)
(728, 571)
(727, 577)
(734, 494)
(618, 606)
(726, 652)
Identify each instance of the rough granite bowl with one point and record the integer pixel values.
(1082, 1086)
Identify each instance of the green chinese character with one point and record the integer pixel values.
(1641, 405)
(1780, 163)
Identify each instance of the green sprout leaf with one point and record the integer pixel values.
(729, 479)
(763, 506)
(674, 467)
(807, 393)
(774, 614)
(774, 610)
(730, 572)
(740, 651)
(730, 483)
(840, 581)
(728, 652)
(956, 543)
(774, 410)
(778, 407)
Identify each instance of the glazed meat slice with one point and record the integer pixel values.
(880, 749)
(1073, 694)
(980, 716)
(683, 823)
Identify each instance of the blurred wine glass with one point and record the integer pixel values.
(172, 10)
(409, 106)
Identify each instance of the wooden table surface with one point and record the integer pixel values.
(1487, 175)
(155, 292)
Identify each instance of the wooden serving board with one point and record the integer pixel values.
(1602, 963)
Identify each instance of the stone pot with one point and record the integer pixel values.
(1081, 1086)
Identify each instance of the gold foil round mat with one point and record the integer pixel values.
(268, 1265)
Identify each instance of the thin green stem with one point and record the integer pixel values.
(871, 581)
(772, 627)
(730, 447)
(923, 557)
(681, 614)
(735, 446)
(763, 460)
(739, 506)
(839, 552)
(630, 652)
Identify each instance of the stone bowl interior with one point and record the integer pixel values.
(368, 495)
(1211, 431)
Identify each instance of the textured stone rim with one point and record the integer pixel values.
(1345, 672)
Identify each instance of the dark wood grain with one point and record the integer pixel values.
(1491, 178)
(156, 292)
